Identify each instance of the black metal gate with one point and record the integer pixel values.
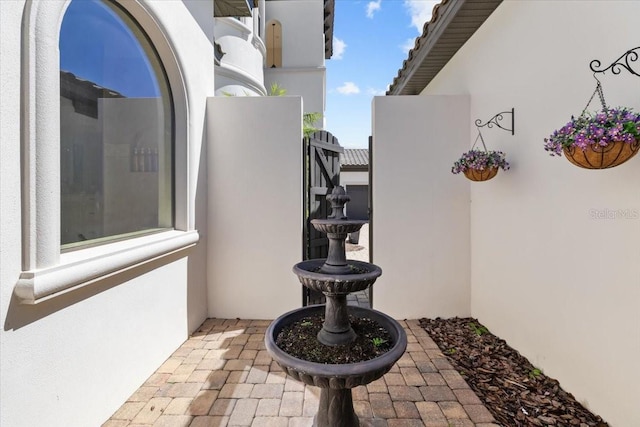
(321, 174)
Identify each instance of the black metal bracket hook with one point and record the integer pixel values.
(496, 120)
(624, 61)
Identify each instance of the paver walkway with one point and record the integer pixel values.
(223, 376)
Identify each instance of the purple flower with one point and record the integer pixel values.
(601, 129)
(480, 160)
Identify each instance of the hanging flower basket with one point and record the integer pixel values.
(602, 157)
(481, 175)
(479, 165)
(598, 141)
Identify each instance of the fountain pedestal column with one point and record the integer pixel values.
(336, 329)
(336, 409)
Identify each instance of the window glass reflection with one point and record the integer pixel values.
(115, 128)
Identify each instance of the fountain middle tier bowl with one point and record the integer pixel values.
(337, 226)
(364, 274)
(336, 376)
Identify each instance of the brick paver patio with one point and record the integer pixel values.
(223, 376)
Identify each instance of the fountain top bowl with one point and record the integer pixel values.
(341, 226)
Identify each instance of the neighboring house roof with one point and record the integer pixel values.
(84, 94)
(453, 22)
(329, 11)
(354, 159)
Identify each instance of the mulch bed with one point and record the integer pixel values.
(512, 389)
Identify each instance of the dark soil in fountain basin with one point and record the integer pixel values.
(299, 339)
(517, 393)
(352, 269)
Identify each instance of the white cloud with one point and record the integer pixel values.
(408, 45)
(348, 88)
(420, 12)
(338, 48)
(372, 7)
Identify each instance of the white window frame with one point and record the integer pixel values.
(46, 272)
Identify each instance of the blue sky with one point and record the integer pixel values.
(371, 39)
(97, 46)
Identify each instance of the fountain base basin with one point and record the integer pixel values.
(336, 380)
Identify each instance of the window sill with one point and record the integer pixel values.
(83, 267)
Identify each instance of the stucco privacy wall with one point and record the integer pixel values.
(255, 205)
(73, 360)
(420, 212)
(555, 248)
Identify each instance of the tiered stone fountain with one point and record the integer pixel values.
(336, 277)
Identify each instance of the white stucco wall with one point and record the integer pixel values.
(73, 360)
(255, 205)
(306, 82)
(554, 258)
(240, 72)
(420, 211)
(303, 71)
(302, 31)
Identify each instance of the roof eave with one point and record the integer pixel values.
(329, 13)
(422, 66)
(354, 168)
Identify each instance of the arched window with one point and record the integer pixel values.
(105, 145)
(116, 128)
(274, 44)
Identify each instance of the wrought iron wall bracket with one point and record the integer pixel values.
(632, 55)
(497, 120)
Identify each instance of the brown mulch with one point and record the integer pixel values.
(512, 389)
